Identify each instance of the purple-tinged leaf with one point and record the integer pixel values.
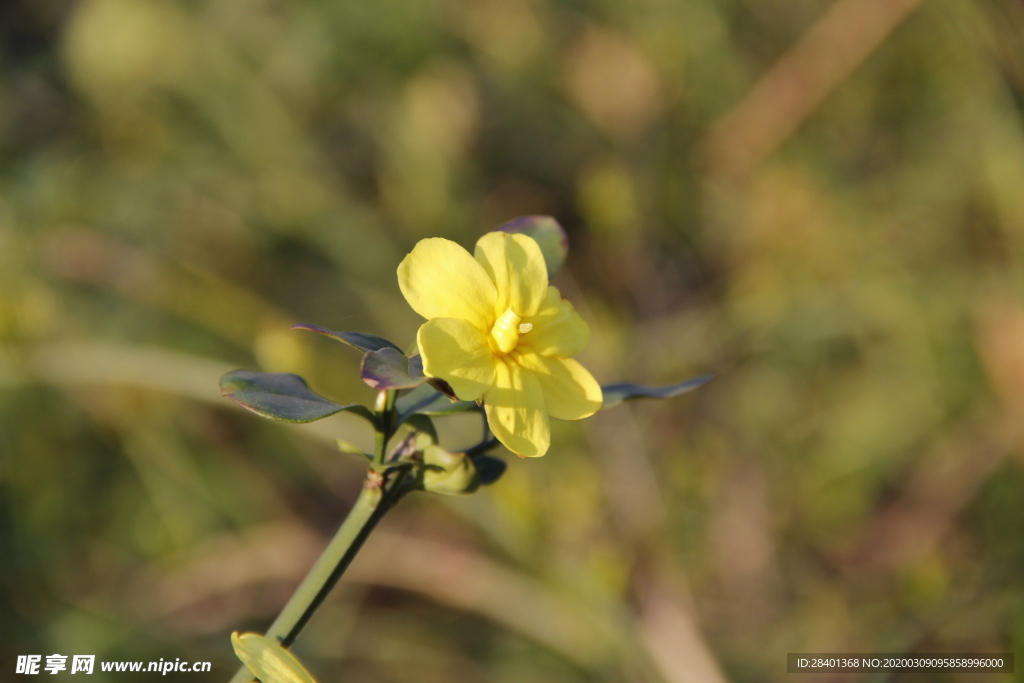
(546, 231)
(390, 369)
(615, 394)
(358, 340)
(393, 370)
(282, 396)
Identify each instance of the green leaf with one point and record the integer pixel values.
(416, 400)
(450, 407)
(358, 340)
(390, 369)
(426, 400)
(346, 447)
(546, 231)
(615, 394)
(268, 660)
(282, 396)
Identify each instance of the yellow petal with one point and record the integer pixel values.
(558, 330)
(457, 352)
(440, 279)
(515, 410)
(570, 391)
(516, 266)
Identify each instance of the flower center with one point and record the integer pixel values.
(505, 332)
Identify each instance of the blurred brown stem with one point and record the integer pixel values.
(799, 81)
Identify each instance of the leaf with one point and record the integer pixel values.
(546, 231)
(393, 370)
(615, 394)
(416, 400)
(359, 340)
(268, 660)
(416, 365)
(388, 368)
(489, 469)
(282, 396)
(450, 407)
(426, 400)
(346, 447)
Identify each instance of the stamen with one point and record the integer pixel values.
(525, 327)
(506, 331)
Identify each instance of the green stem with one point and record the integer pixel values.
(385, 418)
(377, 496)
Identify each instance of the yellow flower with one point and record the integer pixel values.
(495, 330)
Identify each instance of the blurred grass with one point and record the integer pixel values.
(819, 201)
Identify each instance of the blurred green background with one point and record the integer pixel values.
(822, 201)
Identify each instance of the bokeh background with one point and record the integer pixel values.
(821, 201)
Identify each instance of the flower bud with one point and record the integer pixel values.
(449, 474)
(267, 660)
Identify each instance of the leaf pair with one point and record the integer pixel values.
(283, 396)
(287, 397)
(384, 366)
